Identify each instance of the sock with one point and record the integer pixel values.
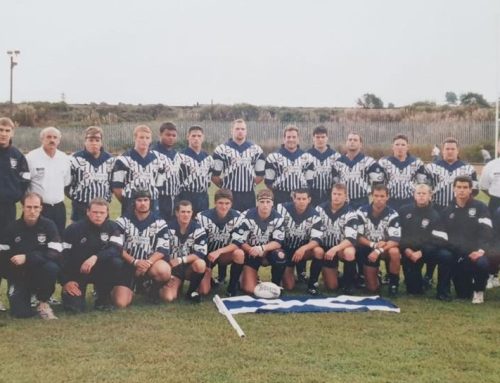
(234, 276)
(393, 279)
(277, 272)
(222, 272)
(194, 282)
(316, 266)
(301, 268)
(349, 273)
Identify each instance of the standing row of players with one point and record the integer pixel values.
(237, 165)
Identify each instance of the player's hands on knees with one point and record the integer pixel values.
(89, 263)
(72, 288)
(381, 244)
(18, 260)
(330, 254)
(416, 256)
(373, 256)
(298, 255)
(142, 266)
(475, 255)
(213, 256)
(256, 251)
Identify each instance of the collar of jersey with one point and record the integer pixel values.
(295, 215)
(103, 157)
(401, 164)
(291, 155)
(352, 162)
(240, 148)
(196, 156)
(450, 167)
(322, 156)
(159, 147)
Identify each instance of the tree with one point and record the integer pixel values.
(370, 101)
(391, 105)
(473, 99)
(451, 98)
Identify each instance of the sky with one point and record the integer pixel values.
(317, 53)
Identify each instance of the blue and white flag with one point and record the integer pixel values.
(303, 304)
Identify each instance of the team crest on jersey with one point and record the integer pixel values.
(83, 240)
(13, 163)
(452, 215)
(17, 239)
(472, 212)
(425, 223)
(41, 237)
(104, 237)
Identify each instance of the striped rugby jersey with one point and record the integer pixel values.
(90, 176)
(441, 175)
(358, 175)
(288, 171)
(171, 170)
(255, 232)
(195, 171)
(194, 241)
(237, 165)
(218, 230)
(300, 229)
(402, 176)
(325, 174)
(132, 172)
(143, 238)
(385, 227)
(338, 225)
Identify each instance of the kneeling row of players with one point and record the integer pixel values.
(141, 252)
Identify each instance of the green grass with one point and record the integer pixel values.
(428, 341)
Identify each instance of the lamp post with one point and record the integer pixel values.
(13, 62)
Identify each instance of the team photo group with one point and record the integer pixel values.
(353, 220)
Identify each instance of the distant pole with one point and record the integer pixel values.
(13, 62)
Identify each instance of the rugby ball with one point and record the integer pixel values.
(267, 290)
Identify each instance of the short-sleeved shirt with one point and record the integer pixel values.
(49, 175)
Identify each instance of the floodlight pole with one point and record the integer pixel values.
(13, 62)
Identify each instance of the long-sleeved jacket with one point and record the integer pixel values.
(84, 239)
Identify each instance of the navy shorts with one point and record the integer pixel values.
(362, 253)
(275, 257)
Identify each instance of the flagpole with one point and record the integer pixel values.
(224, 311)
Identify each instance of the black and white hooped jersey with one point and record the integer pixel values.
(193, 241)
(288, 171)
(218, 230)
(325, 174)
(385, 227)
(300, 229)
(358, 174)
(441, 176)
(90, 176)
(338, 225)
(143, 238)
(402, 176)
(133, 172)
(170, 178)
(237, 165)
(254, 231)
(195, 171)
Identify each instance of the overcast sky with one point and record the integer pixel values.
(263, 52)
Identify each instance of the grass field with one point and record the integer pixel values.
(428, 341)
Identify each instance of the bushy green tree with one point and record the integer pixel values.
(370, 101)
